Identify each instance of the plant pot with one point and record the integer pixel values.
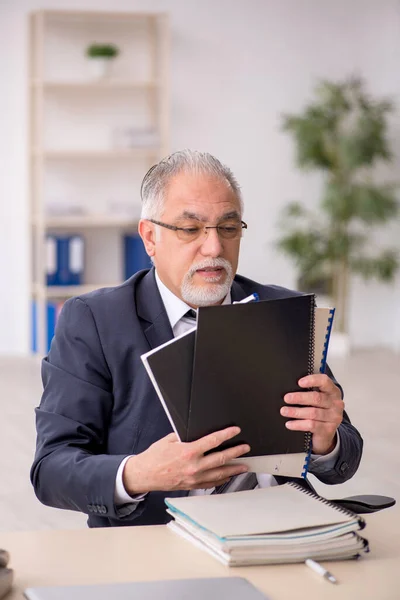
(99, 68)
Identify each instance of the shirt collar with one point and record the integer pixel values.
(174, 306)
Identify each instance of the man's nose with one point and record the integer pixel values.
(211, 243)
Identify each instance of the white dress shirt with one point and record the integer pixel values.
(176, 310)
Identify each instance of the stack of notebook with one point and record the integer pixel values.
(281, 524)
(235, 368)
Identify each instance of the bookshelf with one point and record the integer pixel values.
(91, 141)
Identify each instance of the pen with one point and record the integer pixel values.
(320, 570)
(253, 298)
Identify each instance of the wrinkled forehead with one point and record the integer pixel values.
(200, 196)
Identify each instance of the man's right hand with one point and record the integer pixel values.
(173, 465)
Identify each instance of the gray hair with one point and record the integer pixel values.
(157, 178)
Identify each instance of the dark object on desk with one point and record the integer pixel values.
(234, 588)
(4, 558)
(6, 580)
(365, 503)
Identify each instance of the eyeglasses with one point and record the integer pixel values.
(233, 231)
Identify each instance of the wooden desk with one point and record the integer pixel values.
(146, 553)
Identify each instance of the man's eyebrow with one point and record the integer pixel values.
(233, 214)
(187, 214)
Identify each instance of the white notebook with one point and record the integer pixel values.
(269, 510)
(278, 524)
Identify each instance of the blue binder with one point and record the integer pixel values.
(135, 255)
(52, 312)
(64, 259)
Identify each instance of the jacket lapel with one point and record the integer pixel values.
(237, 292)
(150, 309)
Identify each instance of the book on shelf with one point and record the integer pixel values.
(64, 259)
(234, 368)
(53, 310)
(135, 255)
(279, 524)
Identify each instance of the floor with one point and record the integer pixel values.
(371, 380)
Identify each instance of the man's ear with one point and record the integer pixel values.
(147, 232)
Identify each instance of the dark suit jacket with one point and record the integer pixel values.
(99, 405)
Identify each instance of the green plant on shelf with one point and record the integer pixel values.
(102, 51)
(342, 134)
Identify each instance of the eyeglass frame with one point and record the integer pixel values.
(176, 228)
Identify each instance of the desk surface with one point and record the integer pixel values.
(147, 553)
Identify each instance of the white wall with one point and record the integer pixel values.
(236, 66)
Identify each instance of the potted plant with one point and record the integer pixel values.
(100, 57)
(343, 134)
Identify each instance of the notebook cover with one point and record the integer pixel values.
(247, 357)
(170, 369)
(262, 511)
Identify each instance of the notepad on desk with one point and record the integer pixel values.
(235, 368)
(279, 524)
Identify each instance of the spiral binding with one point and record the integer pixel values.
(342, 509)
(311, 353)
(327, 336)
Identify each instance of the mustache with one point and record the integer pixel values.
(211, 263)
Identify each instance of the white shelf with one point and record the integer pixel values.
(96, 154)
(85, 221)
(67, 291)
(106, 84)
(83, 149)
(79, 15)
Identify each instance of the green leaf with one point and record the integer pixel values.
(294, 210)
(383, 267)
(374, 204)
(343, 130)
(102, 51)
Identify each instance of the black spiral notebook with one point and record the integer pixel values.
(234, 369)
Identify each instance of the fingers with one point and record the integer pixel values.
(213, 440)
(219, 475)
(219, 459)
(171, 437)
(323, 428)
(311, 413)
(321, 381)
(308, 399)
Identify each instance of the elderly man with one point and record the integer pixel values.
(104, 443)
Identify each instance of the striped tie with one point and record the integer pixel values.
(238, 483)
(191, 314)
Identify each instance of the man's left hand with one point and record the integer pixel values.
(322, 412)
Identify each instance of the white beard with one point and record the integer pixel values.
(207, 295)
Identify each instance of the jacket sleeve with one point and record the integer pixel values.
(71, 468)
(350, 452)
